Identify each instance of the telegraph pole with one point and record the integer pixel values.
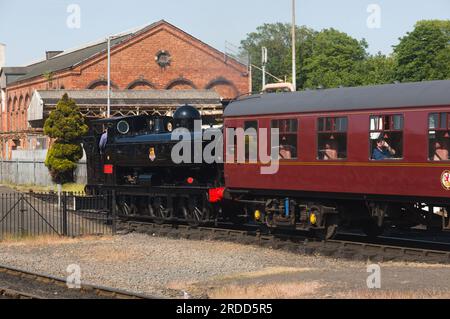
(264, 59)
(294, 64)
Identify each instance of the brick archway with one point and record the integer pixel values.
(141, 83)
(182, 83)
(224, 87)
(94, 85)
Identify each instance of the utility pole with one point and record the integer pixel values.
(108, 110)
(294, 64)
(264, 59)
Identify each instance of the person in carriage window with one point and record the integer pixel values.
(383, 150)
(441, 151)
(331, 151)
(286, 151)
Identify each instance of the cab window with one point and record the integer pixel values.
(386, 137)
(288, 132)
(439, 136)
(332, 138)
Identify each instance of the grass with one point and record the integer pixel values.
(267, 291)
(393, 294)
(45, 240)
(270, 271)
(72, 187)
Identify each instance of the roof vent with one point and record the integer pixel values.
(51, 54)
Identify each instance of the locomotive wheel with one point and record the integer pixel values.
(194, 216)
(127, 209)
(158, 212)
(331, 228)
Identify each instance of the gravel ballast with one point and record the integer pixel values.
(163, 267)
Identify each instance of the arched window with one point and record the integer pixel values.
(19, 114)
(8, 115)
(13, 115)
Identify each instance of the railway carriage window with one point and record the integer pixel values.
(439, 136)
(288, 131)
(332, 138)
(251, 141)
(386, 137)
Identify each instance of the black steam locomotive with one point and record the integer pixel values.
(133, 157)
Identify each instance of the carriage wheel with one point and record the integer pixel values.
(330, 228)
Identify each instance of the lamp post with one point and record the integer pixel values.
(108, 108)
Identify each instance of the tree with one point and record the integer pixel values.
(335, 61)
(377, 69)
(277, 39)
(66, 126)
(424, 53)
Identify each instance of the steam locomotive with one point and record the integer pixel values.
(136, 162)
(327, 175)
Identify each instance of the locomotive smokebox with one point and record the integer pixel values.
(186, 116)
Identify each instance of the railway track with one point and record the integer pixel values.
(20, 284)
(347, 247)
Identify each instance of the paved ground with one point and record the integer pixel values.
(166, 267)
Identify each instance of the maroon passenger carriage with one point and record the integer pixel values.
(331, 172)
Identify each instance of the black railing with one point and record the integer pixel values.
(64, 214)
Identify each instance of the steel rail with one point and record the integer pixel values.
(100, 291)
(347, 249)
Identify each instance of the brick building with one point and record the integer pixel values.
(157, 57)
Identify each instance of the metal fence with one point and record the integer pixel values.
(34, 172)
(66, 214)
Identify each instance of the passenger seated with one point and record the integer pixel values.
(331, 151)
(441, 151)
(383, 150)
(285, 150)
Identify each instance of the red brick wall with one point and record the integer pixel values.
(193, 65)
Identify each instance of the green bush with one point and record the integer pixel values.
(66, 126)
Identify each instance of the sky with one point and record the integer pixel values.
(29, 28)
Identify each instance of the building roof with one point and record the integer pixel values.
(11, 74)
(73, 57)
(132, 97)
(92, 103)
(419, 94)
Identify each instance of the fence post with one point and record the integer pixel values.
(22, 215)
(114, 212)
(64, 214)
